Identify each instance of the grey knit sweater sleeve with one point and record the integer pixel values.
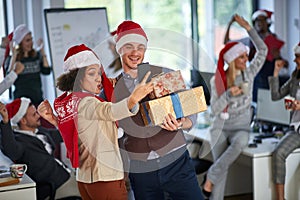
(260, 56)
(278, 92)
(238, 103)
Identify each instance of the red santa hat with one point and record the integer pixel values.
(20, 32)
(7, 49)
(229, 53)
(79, 56)
(297, 49)
(265, 13)
(17, 109)
(129, 31)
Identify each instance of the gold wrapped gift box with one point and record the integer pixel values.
(179, 104)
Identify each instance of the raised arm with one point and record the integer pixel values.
(261, 48)
(278, 92)
(45, 67)
(11, 148)
(227, 37)
(46, 112)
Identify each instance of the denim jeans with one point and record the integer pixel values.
(177, 179)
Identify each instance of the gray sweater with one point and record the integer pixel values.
(292, 88)
(238, 105)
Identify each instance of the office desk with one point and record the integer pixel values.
(252, 171)
(25, 190)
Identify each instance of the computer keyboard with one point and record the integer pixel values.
(265, 135)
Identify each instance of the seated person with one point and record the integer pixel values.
(28, 145)
(291, 140)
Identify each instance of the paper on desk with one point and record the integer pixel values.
(270, 140)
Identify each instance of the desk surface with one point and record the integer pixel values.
(262, 150)
(25, 182)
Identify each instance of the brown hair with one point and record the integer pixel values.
(20, 55)
(71, 81)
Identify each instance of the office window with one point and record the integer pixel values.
(213, 18)
(115, 9)
(2, 25)
(168, 26)
(2, 34)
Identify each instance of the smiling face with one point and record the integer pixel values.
(91, 81)
(132, 54)
(27, 43)
(241, 61)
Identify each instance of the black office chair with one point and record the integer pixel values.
(198, 80)
(201, 165)
(44, 190)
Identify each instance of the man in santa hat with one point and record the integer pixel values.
(159, 160)
(261, 20)
(28, 145)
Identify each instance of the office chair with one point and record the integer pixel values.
(44, 190)
(198, 80)
(201, 165)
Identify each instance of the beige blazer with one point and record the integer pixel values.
(99, 154)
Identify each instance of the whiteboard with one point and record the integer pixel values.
(68, 27)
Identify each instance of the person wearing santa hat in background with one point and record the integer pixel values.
(87, 123)
(9, 80)
(32, 145)
(159, 161)
(231, 92)
(28, 84)
(291, 140)
(261, 20)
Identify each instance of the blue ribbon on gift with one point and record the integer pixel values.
(177, 105)
(147, 114)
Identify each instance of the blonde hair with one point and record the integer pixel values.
(231, 74)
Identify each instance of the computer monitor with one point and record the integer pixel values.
(271, 111)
